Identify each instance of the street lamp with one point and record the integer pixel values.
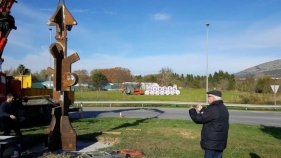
(50, 31)
(207, 61)
(50, 39)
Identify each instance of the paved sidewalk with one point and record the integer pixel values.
(89, 147)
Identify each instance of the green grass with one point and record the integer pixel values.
(187, 95)
(175, 138)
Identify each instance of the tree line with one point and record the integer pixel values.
(165, 77)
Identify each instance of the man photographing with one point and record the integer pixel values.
(215, 120)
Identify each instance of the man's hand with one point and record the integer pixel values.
(198, 107)
(13, 117)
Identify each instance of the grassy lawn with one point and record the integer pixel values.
(187, 95)
(173, 138)
(117, 95)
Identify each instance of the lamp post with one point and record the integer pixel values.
(207, 61)
(50, 39)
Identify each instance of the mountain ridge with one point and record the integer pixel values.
(271, 68)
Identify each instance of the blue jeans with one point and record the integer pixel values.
(213, 154)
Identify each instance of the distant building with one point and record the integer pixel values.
(147, 85)
(85, 85)
(38, 85)
(48, 84)
(111, 86)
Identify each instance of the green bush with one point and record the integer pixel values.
(253, 98)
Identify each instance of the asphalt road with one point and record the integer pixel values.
(266, 118)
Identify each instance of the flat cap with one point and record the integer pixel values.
(215, 93)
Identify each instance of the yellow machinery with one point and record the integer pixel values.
(26, 80)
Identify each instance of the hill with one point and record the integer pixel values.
(272, 68)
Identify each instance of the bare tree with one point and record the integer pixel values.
(166, 76)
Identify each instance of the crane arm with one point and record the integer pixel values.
(7, 23)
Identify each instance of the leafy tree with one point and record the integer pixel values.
(43, 75)
(246, 84)
(231, 82)
(182, 76)
(222, 80)
(263, 85)
(138, 78)
(150, 78)
(117, 74)
(83, 76)
(99, 80)
(22, 70)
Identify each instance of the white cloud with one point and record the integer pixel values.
(188, 63)
(80, 10)
(31, 24)
(252, 37)
(249, 38)
(234, 65)
(47, 9)
(35, 62)
(107, 12)
(25, 12)
(269, 37)
(52, 10)
(161, 17)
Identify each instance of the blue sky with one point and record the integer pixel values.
(147, 35)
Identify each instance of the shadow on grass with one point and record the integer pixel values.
(72, 120)
(31, 140)
(137, 122)
(93, 136)
(273, 131)
(254, 155)
(95, 114)
(90, 137)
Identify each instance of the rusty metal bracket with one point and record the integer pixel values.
(68, 78)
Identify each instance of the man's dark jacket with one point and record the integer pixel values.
(215, 120)
(7, 109)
